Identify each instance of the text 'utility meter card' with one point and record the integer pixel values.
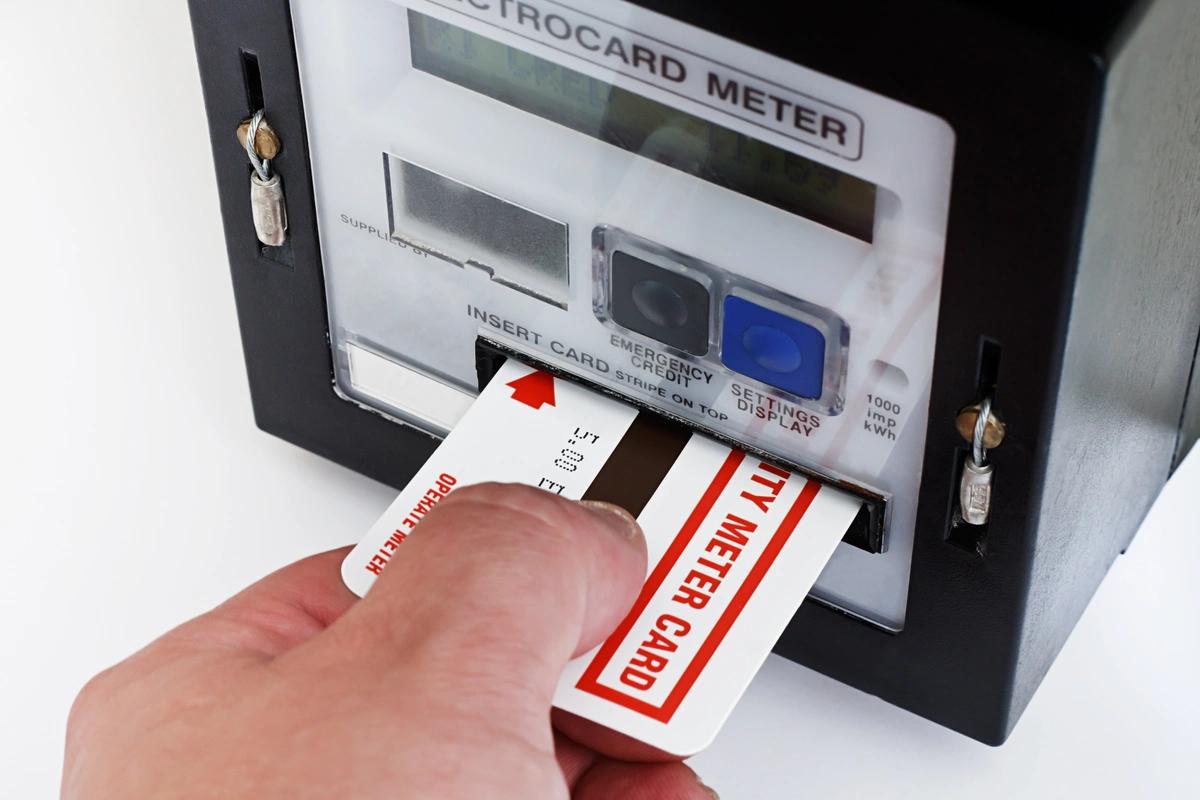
(735, 544)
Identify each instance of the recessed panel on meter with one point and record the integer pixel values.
(733, 240)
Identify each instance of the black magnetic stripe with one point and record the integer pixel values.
(639, 463)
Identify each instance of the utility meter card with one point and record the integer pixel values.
(735, 544)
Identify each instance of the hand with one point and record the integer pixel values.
(437, 685)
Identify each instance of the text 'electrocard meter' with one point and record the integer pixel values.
(845, 238)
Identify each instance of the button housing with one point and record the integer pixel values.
(718, 320)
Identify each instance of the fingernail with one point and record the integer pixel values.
(614, 517)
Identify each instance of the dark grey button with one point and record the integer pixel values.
(660, 304)
(664, 305)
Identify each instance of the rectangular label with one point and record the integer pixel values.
(699, 587)
(406, 389)
(674, 69)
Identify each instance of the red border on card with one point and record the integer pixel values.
(590, 681)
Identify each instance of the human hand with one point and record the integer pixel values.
(438, 684)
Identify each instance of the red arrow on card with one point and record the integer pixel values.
(534, 390)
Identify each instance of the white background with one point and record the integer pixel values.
(135, 490)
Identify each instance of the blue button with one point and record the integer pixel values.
(773, 348)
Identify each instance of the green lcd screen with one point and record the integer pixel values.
(648, 128)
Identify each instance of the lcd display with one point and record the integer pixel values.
(646, 127)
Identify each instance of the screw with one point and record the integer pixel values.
(266, 143)
(993, 432)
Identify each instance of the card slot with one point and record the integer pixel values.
(867, 532)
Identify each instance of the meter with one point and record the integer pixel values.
(826, 233)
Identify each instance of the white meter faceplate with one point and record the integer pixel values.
(709, 230)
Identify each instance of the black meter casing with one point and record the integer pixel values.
(1070, 296)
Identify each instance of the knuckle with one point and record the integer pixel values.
(508, 530)
(516, 510)
(507, 495)
(91, 696)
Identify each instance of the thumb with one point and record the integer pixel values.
(498, 587)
